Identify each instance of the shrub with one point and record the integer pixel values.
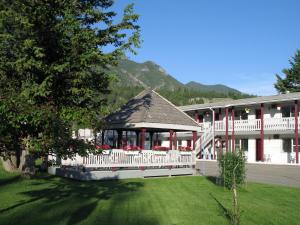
(227, 163)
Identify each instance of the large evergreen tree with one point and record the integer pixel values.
(54, 57)
(291, 81)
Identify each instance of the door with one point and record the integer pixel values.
(200, 118)
(258, 114)
(258, 150)
(217, 116)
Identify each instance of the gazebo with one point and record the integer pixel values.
(149, 113)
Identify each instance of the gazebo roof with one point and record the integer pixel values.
(150, 110)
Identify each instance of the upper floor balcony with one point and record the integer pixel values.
(250, 125)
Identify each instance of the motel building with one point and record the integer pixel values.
(149, 136)
(265, 128)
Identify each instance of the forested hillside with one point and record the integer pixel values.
(133, 77)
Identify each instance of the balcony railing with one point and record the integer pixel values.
(271, 124)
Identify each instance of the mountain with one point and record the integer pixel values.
(219, 88)
(147, 74)
(134, 77)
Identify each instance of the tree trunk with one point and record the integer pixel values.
(27, 164)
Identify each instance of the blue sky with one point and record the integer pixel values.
(239, 43)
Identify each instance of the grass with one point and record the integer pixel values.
(179, 200)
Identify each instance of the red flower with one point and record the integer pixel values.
(103, 147)
(160, 148)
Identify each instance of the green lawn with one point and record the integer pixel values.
(180, 200)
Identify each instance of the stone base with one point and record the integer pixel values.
(76, 174)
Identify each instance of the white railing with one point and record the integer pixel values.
(145, 158)
(287, 123)
(207, 136)
(276, 124)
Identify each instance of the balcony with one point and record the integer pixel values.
(270, 124)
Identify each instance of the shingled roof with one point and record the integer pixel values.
(150, 110)
(245, 101)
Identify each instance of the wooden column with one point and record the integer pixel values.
(137, 133)
(262, 134)
(151, 139)
(175, 140)
(226, 129)
(143, 134)
(114, 139)
(296, 131)
(126, 137)
(171, 140)
(194, 139)
(102, 137)
(232, 134)
(214, 128)
(119, 139)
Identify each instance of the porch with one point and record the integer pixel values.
(123, 164)
(119, 158)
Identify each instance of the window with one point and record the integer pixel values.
(286, 111)
(286, 145)
(179, 143)
(189, 143)
(237, 144)
(244, 144)
(294, 144)
(244, 115)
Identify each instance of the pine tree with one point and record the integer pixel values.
(291, 81)
(54, 58)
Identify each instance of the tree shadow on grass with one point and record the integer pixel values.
(215, 180)
(226, 212)
(10, 180)
(73, 201)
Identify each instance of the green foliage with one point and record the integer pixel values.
(291, 80)
(227, 162)
(53, 69)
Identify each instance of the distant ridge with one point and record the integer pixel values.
(134, 77)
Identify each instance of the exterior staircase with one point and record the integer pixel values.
(205, 141)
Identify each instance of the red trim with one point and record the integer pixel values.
(226, 129)
(143, 132)
(194, 139)
(232, 135)
(296, 131)
(175, 140)
(214, 144)
(171, 139)
(262, 134)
